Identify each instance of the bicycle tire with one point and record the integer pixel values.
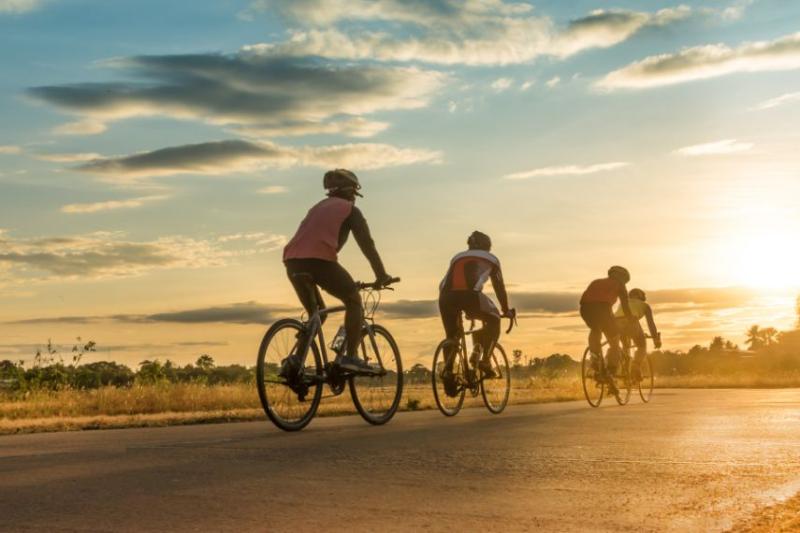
(647, 380)
(364, 405)
(589, 381)
(283, 398)
(500, 366)
(624, 373)
(442, 399)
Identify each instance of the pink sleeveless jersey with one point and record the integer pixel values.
(318, 234)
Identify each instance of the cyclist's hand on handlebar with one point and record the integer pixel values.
(385, 280)
(657, 341)
(510, 313)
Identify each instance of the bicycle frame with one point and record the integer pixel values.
(313, 330)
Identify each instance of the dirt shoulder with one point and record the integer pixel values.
(778, 518)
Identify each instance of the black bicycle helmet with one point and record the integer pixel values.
(340, 179)
(479, 241)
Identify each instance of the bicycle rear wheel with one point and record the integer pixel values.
(290, 403)
(377, 397)
(592, 367)
(623, 380)
(496, 390)
(448, 405)
(646, 382)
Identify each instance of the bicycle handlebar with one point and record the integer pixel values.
(375, 285)
(512, 319)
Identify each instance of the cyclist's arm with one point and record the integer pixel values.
(500, 289)
(651, 323)
(358, 225)
(623, 301)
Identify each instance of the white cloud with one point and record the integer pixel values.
(708, 61)
(225, 157)
(18, 6)
(566, 170)
(483, 32)
(527, 85)
(69, 158)
(273, 189)
(10, 149)
(552, 82)
(778, 101)
(501, 84)
(452, 106)
(111, 205)
(80, 127)
(354, 127)
(723, 147)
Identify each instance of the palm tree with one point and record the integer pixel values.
(205, 362)
(769, 336)
(755, 339)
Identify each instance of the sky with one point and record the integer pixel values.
(155, 157)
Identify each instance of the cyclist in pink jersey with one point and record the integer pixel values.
(314, 251)
(597, 311)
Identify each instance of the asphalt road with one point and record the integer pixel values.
(690, 460)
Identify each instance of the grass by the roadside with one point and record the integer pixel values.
(171, 404)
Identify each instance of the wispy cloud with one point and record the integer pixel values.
(273, 189)
(10, 149)
(18, 6)
(783, 99)
(232, 156)
(80, 127)
(552, 82)
(452, 32)
(566, 170)
(111, 205)
(501, 84)
(107, 254)
(708, 61)
(69, 158)
(250, 90)
(723, 147)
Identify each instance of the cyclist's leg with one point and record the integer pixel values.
(595, 331)
(304, 266)
(336, 281)
(639, 340)
(490, 316)
(451, 314)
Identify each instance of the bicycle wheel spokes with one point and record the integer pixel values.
(377, 397)
(290, 401)
(647, 381)
(495, 390)
(591, 377)
(448, 405)
(623, 381)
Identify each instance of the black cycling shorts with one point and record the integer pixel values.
(600, 317)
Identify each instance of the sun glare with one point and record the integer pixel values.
(764, 253)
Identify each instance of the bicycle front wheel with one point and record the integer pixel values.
(290, 402)
(646, 381)
(448, 405)
(496, 390)
(377, 397)
(591, 376)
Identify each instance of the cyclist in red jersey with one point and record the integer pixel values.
(460, 290)
(314, 251)
(597, 311)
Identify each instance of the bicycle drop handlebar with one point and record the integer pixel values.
(376, 286)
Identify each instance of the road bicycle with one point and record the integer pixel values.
(293, 365)
(468, 377)
(595, 381)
